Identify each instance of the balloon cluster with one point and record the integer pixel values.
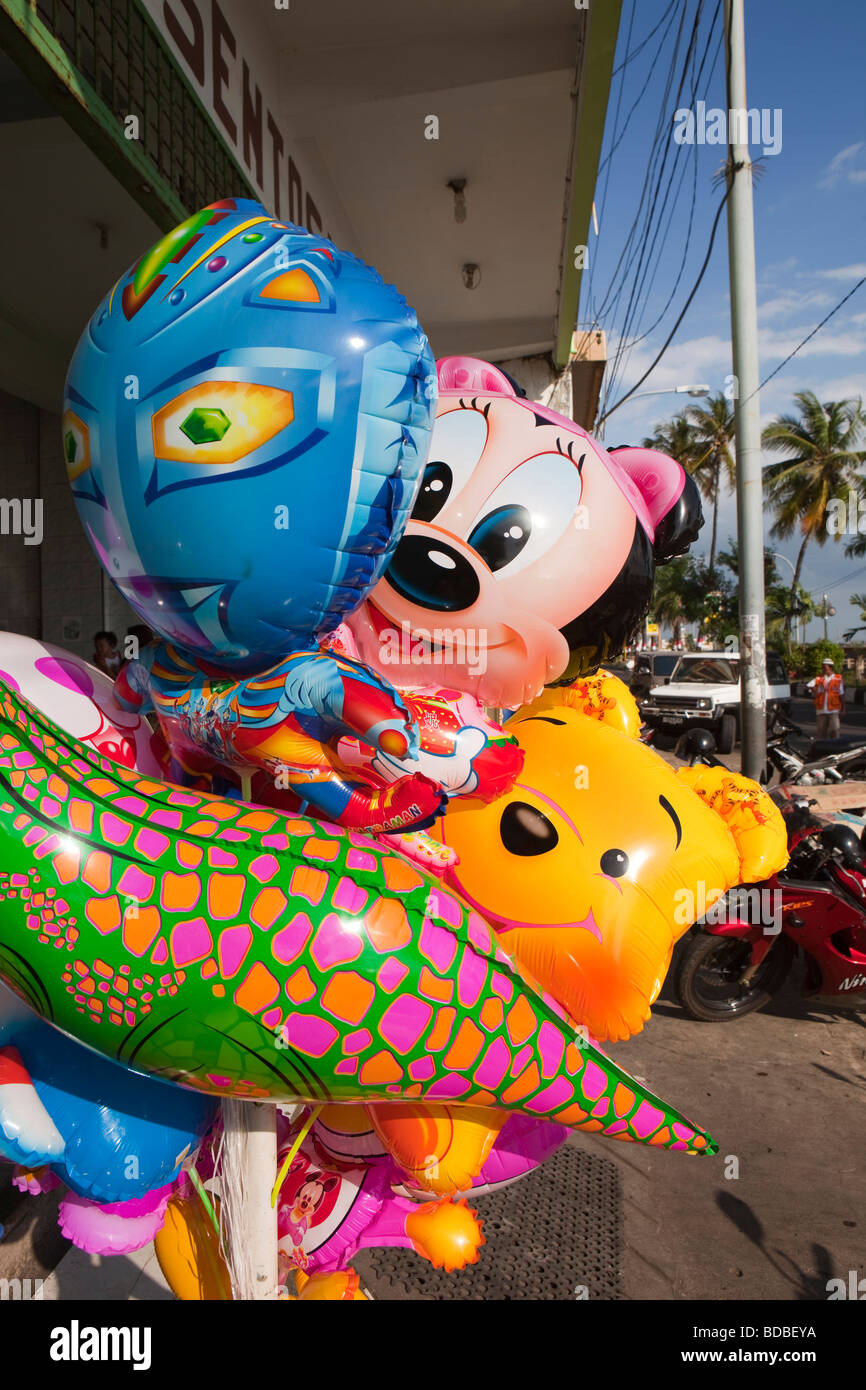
(337, 882)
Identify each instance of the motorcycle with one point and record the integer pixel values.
(736, 959)
(821, 761)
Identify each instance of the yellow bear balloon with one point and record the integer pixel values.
(602, 856)
(603, 697)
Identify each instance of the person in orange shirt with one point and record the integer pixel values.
(829, 692)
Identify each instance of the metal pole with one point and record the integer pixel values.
(826, 615)
(744, 339)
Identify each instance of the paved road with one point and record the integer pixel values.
(783, 1092)
(853, 725)
(802, 714)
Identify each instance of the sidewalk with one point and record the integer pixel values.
(119, 1279)
(784, 1093)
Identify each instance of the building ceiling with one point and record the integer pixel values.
(55, 261)
(356, 84)
(498, 75)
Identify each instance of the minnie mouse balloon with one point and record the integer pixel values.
(530, 554)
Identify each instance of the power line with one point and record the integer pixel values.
(816, 329)
(615, 127)
(680, 317)
(681, 270)
(642, 295)
(615, 278)
(650, 231)
(644, 42)
(659, 154)
(846, 579)
(655, 235)
(618, 141)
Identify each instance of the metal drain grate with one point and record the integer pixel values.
(547, 1234)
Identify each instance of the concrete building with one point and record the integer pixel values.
(453, 146)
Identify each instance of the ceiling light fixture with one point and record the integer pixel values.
(458, 188)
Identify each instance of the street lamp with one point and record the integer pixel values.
(702, 390)
(777, 554)
(829, 612)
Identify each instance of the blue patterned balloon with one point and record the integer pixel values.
(86, 1117)
(246, 421)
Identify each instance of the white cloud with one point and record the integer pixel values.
(775, 344)
(842, 388)
(638, 418)
(788, 303)
(685, 362)
(708, 359)
(776, 268)
(842, 272)
(849, 165)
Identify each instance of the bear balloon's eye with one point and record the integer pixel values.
(614, 863)
(434, 492)
(525, 831)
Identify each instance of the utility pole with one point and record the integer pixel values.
(744, 339)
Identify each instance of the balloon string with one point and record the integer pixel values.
(304, 1131)
(206, 1201)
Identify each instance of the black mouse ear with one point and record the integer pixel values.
(679, 527)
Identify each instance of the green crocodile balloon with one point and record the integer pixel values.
(242, 952)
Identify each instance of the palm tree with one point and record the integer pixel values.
(857, 601)
(855, 509)
(821, 463)
(712, 459)
(670, 597)
(729, 559)
(675, 438)
(777, 597)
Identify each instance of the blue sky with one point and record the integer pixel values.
(810, 229)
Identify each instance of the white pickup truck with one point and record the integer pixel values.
(704, 691)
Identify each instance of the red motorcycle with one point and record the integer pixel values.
(736, 959)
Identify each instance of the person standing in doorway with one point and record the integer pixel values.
(828, 690)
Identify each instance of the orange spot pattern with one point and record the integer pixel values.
(348, 996)
(151, 908)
